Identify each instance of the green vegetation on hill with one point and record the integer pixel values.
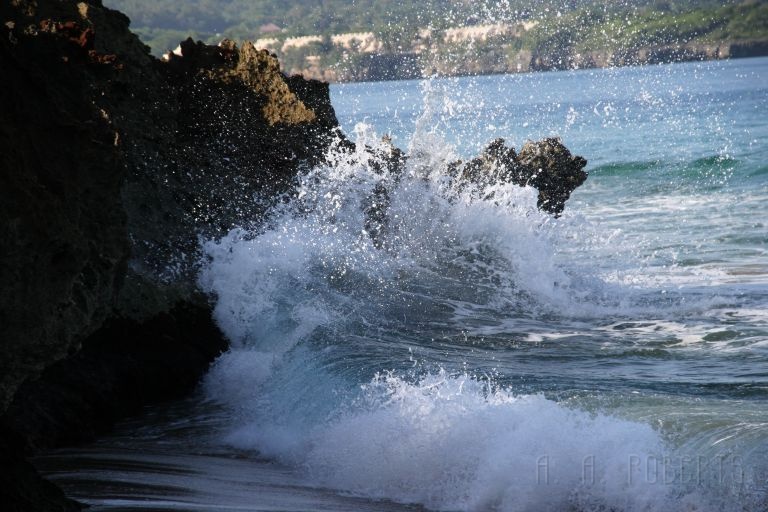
(297, 17)
(652, 27)
(565, 28)
(159, 20)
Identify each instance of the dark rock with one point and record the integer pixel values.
(546, 165)
(315, 95)
(110, 156)
(553, 170)
(376, 208)
(62, 222)
(387, 157)
(387, 160)
(22, 489)
(122, 367)
(112, 164)
(497, 163)
(228, 134)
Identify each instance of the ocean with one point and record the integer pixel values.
(487, 356)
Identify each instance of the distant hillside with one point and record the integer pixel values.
(302, 17)
(163, 22)
(369, 39)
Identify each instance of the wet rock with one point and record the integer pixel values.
(316, 96)
(229, 135)
(555, 172)
(376, 208)
(546, 165)
(112, 164)
(21, 487)
(388, 161)
(497, 163)
(123, 366)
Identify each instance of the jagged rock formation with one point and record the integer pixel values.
(228, 129)
(546, 165)
(110, 156)
(61, 220)
(112, 163)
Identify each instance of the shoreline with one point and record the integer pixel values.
(531, 73)
(598, 59)
(162, 459)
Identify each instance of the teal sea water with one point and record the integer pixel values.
(489, 356)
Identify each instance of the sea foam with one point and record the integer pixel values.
(326, 326)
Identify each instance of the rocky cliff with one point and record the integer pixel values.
(112, 163)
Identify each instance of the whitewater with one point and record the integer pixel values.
(482, 354)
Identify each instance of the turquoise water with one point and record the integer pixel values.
(488, 356)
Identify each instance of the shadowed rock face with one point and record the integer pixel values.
(122, 367)
(62, 225)
(112, 163)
